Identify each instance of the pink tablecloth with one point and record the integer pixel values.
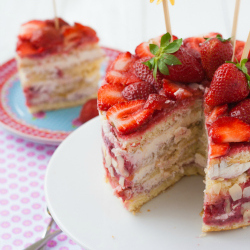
(22, 203)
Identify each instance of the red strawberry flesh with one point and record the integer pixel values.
(88, 111)
(242, 111)
(229, 129)
(128, 117)
(138, 90)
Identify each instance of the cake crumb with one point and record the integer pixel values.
(148, 210)
(203, 235)
(113, 236)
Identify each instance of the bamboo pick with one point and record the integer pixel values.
(167, 18)
(234, 28)
(246, 48)
(55, 14)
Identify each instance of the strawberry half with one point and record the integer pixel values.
(88, 111)
(27, 29)
(142, 50)
(128, 117)
(214, 52)
(175, 91)
(138, 90)
(25, 48)
(109, 95)
(121, 70)
(229, 129)
(217, 150)
(242, 111)
(145, 74)
(158, 102)
(229, 85)
(217, 112)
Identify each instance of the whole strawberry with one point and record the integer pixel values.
(229, 84)
(214, 52)
(174, 61)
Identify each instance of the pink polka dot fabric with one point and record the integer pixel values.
(22, 203)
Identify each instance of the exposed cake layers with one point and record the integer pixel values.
(61, 74)
(143, 164)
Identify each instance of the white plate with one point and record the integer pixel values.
(85, 208)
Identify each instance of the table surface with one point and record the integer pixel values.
(23, 163)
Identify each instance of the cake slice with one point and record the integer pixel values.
(58, 68)
(152, 127)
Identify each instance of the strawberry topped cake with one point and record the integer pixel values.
(177, 109)
(58, 67)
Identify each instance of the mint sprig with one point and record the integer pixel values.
(163, 55)
(219, 37)
(241, 66)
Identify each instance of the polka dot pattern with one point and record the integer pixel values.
(23, 219)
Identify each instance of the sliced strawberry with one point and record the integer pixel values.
(88, 111)
(239, 47)
(175, 91)
(109, 95)
(229, 85)
(142, 50)
(145, 74)
(216, 150)
(217, 112)
(25, 48)
(27, 29)
(51, 23)
(122, 71)
(46, 37)
(242, 111)
(128, 117)
(138, 90)
(229, 129)
(158, 102)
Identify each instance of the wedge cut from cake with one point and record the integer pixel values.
(157, 126)
(58, 68)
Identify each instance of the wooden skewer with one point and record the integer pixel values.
(246, 48)
(56, 18)
(167, 18)
(235, 22)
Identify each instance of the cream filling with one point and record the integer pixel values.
(54, 62)
(225, 171)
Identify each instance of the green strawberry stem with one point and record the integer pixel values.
(163, 55)
(219, 37)
(241, 66)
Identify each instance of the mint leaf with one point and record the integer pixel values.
(165, 40)
(153, 48)
(171, 60)
(163, 67)
(173, 47)
(147, 63)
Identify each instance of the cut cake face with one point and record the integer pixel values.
(58, 68)
(156, 128)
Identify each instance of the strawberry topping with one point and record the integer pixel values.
(214, 52)
(43, 37)
(175, 91)
(242, 111)
(109, 95)
(145, 74)
(142, 50)
(189, 71)
(138, 90)
(128, 117)
(88, 111)
(229, 85)
(158, 102)
(121, 70)
(216, 150)
(229, 129)
(217, 112)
